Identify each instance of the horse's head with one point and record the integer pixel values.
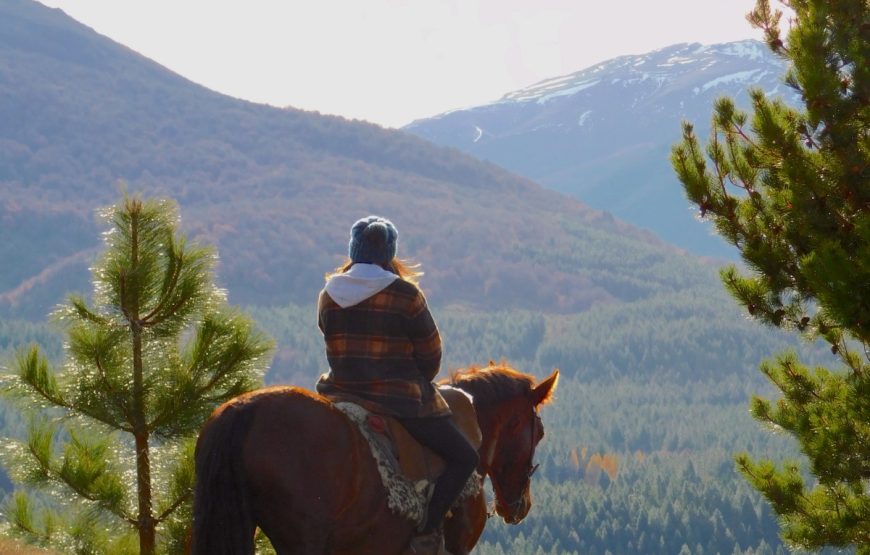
(512, 457)
(507, 404)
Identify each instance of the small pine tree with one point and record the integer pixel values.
(791, 190)
(112, 434)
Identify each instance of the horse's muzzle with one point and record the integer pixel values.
(516, 511)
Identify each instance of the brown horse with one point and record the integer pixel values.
(285, 460)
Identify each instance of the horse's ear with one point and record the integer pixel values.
(543, 392)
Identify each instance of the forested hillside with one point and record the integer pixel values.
(638, 447)
(637, 457)
(274, 189)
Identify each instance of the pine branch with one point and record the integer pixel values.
(116, 397)
(172, 412)
(32, 377)
(73, 409)
(720, 174)
(59, 478)
(177, 503)
(82, 311)
(20, 516)
(176, 271)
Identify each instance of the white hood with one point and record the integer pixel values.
(358, 284)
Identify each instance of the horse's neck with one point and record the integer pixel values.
(489, 428)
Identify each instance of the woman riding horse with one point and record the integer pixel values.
(384, 350)
(287, 461)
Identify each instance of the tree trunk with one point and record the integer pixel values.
(146, 523)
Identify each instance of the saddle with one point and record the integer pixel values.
(408, 469)
(416, 462)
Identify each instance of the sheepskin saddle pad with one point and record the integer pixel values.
(409, 470)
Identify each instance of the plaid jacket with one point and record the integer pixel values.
(383, 353)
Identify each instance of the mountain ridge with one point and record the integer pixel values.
(274, 189)
(603, 134)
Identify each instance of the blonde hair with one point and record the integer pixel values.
(405, 269)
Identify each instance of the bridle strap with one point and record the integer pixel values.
(532, 468)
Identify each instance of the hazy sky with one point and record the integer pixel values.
(393, 61)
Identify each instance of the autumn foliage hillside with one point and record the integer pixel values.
(274, 189)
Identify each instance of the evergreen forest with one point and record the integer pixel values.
(639, 445)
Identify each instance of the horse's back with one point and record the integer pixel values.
(308, 473)
(308, 466)
(293, 433)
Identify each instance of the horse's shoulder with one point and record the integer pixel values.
(464, 415)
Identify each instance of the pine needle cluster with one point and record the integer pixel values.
(108, 460)
(790, 188)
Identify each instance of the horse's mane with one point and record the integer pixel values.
(492, 384)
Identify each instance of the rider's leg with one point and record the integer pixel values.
(441, 436)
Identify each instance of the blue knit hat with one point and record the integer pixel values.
(373, 241)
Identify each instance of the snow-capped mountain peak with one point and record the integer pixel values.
(604, 133)
(662, 66)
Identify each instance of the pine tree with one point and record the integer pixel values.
(111, 441)
(790, 188)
